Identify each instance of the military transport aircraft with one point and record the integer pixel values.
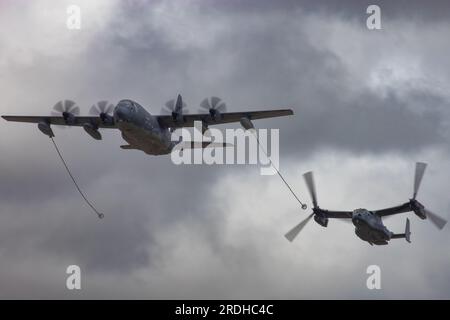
(368, 224)
(140, 129)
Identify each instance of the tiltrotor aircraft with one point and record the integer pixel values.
(368, 223)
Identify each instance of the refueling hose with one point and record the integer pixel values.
(99, 214)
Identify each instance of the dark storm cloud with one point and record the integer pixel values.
(132, 194)
(274, 64)
(254, 54)
(401, 9)
(364, 127)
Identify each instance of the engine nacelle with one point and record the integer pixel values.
(106, 118)
(322, 220)
(246, 123)
(92, 131)
(177, 117)
(418, 208)
(45, 129)
(69, 118)
(215, 114)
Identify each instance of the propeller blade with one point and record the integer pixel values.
(214, 102)
(59, 107)
(93, 111)
(68, 104)
(293, 233)
(170, 104)
(222, 107)
(109, 109)
(102, 105)
(438, 221)
(168, 112)
(205, 104)
(420, 170)
(309, 179)
(75, 111)
(179, 104)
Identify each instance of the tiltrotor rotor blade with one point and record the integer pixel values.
(420, 170)
(309, 179)
(438, 221)
(293, 233)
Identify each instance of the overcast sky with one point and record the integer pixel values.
(368, 104)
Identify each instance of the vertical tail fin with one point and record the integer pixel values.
(406, 235)
(407, 231)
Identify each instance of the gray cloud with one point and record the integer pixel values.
(366, 106)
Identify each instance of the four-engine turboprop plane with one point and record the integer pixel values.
(140, 129)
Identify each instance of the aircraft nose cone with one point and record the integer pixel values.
(122, 113)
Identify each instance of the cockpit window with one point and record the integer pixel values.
(125, 103)
(131, 105)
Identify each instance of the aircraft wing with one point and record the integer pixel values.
(59, 120)
(226, 117)
(406, 207)
(338, 214)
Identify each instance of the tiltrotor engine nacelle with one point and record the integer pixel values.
(322, 220)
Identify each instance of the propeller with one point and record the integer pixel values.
(215, 106)
(104, 110)
(68, 109)
(293, 233)
(176, 108)
(435, 219)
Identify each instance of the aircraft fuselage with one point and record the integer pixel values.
(369, 227)
(141, 130)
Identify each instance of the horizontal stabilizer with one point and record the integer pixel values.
(127, 147)
(204, 144)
